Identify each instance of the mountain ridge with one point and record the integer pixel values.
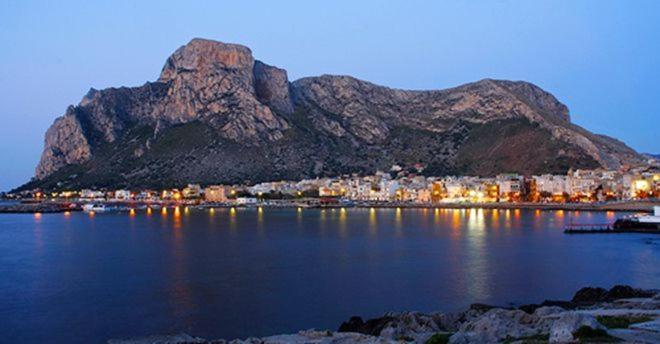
(328, 124)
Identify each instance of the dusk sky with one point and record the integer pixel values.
(600, 58)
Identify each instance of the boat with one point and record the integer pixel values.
(640, 222)
(94, 207)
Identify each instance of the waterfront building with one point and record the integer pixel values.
(215, 193)
(88, 194)
(192, 191)
(123, 195)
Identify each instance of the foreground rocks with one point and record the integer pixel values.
(595, 315)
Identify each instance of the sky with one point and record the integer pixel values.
(600, 58)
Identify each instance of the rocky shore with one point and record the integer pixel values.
(594, 315)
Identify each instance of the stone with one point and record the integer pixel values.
(495, 326)
(563, 328)
(590, 295)
(627, 292)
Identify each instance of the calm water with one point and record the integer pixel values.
(226, 274)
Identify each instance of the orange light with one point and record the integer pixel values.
(163, 211)
(91, 213)
(131, 212)
(149, 211)
(37, 216)
(67, 213)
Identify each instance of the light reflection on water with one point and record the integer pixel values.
(238, 272)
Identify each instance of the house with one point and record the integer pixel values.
(192, 191)
(123, 195)
(215, 193)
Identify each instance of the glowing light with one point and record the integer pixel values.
(177, 211)
(92, 213)
(67, 213)
(641, 185)
(149, 211)
(186, 210)
(232, 211)
(37, 216)
(300, 209)
(131, 212)
(212, 211)
(163, 210)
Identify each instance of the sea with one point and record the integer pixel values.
(236, 272)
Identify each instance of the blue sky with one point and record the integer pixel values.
(598, 57)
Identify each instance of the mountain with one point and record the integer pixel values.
(217, 115)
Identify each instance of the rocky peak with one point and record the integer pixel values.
(207, 58)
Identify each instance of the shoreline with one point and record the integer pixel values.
(620, 314)
(61, 207)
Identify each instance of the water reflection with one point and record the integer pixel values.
(373, 222)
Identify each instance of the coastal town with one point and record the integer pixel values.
(397, 187)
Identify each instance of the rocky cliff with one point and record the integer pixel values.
(216, 115)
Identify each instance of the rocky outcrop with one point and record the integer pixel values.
(217, 115)
(568, 323)
(65, 144)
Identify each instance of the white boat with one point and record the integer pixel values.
(94, 207)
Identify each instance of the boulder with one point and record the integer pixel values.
(371, 327)
(563, 328)
(627, 292)
(590, 295)
(497, 325)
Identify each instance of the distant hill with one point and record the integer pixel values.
(216, 115)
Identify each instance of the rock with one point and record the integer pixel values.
(65, 144)
(563, 328)
(627, 292)
(480, 307)
(372, 326)
(272, 87)
(547, 310)
(590, 295)
(495, 326)
(216, 115)
(410, 325)
(394, 326)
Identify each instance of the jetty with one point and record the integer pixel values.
(640, 223)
